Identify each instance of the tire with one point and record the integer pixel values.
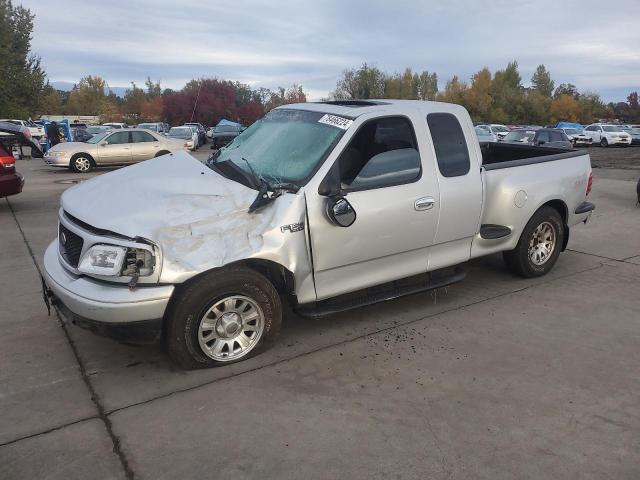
(603, 142)
(216, 300)
(162, 152)
(528, 261)
(81, 163)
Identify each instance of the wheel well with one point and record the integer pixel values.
(561, 207)
(281, 278)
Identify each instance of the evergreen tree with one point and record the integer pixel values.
(22, 79)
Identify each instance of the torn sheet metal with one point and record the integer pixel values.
(198, 218)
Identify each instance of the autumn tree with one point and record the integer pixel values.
(565, 108)
(88, 97)
(478, 99)
(454, 92)
(50, 101)
(566, 89)
(508, 95)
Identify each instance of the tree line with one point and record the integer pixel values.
(204, 100)
(497, 97)
(490, 97)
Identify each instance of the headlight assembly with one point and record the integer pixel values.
(116, 261)
(103, 260)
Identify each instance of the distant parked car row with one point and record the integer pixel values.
(564, 135)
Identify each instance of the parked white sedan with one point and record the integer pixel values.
(607, 135)
(119, 147)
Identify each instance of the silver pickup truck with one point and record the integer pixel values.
(331, 205)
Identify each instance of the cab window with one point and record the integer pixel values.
(118, 138)
(450, 144)
(382, 153)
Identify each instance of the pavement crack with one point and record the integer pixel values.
(349, 340)
(49, 430)
(83, 371)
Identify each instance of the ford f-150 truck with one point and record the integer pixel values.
(332, 205)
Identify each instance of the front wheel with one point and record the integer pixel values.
(81, 163)
(225, 316)
(539, 246)
(604, 143)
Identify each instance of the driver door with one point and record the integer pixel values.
(116, 148)
(396, 204)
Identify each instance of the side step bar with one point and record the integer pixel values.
(386, 291)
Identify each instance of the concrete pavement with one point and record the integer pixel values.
(496, 377)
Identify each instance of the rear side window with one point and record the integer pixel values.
(556, 137)
(140, 137)
(450, 144)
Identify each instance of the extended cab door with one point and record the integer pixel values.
(385, 172)
(458, 162)
(116, 148)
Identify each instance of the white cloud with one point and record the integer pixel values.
(310, 42)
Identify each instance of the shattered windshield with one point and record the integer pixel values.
(284, 147)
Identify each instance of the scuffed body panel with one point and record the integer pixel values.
(198, 218)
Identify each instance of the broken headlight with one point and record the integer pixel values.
(103, 260)
(116, 261)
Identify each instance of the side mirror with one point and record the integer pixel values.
(341, 212)
(541, 142)
(104, 144)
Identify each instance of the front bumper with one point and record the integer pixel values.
(56, 161)
(109, 309)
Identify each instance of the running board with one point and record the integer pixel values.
(386, 291)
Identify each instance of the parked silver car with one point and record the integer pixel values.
(119, 147)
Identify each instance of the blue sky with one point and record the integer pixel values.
(593, 44)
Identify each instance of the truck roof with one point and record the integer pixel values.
(355, 108)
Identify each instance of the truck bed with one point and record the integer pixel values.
(506, 155)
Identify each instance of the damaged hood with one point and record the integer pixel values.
(198, 218)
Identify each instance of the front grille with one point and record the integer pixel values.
(70, 246)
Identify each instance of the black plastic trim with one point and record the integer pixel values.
(534, 160)
(386, 291)
(585, 207)
(490, 232)
(144, 332)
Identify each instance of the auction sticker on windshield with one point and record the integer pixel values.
(335, 121)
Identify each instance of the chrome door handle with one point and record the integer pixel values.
(425, 203)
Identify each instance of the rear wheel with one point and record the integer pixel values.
(603, 142)
(81, 163)
(539, 246)
(226, 316)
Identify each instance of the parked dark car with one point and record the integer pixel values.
(551, 137)
(224, 134)
(11, 182)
